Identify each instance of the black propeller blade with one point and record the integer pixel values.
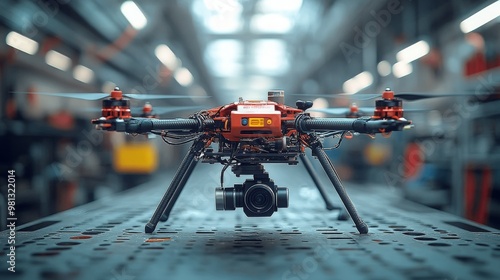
(361, 110)
(157, 110)
(83, 96)
(407, 96)
(157, 96)
(90, 96)
(161, 110)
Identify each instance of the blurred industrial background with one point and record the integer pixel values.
(227, 49)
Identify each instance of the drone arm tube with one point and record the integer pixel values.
(143, 125)
(306, 124)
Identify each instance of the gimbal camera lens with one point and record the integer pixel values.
(259, 198)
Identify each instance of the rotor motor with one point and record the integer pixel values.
(388, 107)
(116, 107)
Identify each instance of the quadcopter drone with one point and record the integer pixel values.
(246, 134)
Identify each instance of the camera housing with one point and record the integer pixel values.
(259, 197)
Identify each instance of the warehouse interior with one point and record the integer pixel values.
(213, 52)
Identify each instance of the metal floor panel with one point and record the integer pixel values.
(105, 239)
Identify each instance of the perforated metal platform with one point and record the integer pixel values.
(105, 239)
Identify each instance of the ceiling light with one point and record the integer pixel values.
(226, 69)
(358, 82)
(166, 56)
(270, 23)
(364, 79)
(57, 60)
(273, 6)
(269, 56)
(133, 14)
(219, 24)
(384, 68)
(226, 7)
(223, 16)
(226, 50)
(480, 18)
(413, 52)
(21, 42)
(350, 87)
(402, 69)
(319, 103)
(224, 57)
(108, 86)
(83, 74)
(183, 77)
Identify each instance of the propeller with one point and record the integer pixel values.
(157, 96)
(96, 96)
(365, 111)
(407, 96)
(161, 110)
(157, 110)
(83, 96)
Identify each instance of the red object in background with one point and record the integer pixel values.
(478, 183)
(49, 43)
(414, 160)
(62, 120)
(433, 59)
(108, 52)
(476, 64)
(66, 192)
(11, 108)
(32, 97)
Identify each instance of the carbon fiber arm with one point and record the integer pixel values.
(144, 125)
(305, 123)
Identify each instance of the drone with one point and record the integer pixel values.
(244, 135)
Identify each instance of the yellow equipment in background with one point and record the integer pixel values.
(135, 158)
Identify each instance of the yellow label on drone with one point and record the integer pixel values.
(256, 122)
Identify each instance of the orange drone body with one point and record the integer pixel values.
(253, 119)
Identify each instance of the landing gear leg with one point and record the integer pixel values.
(178, 182)
(317, 150)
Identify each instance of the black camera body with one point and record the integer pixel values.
(259, 197)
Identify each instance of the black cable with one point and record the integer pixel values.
(181, 142)
(229, 163)
(218, 111)
(338, 143)
(222, 173)
(331, 133)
